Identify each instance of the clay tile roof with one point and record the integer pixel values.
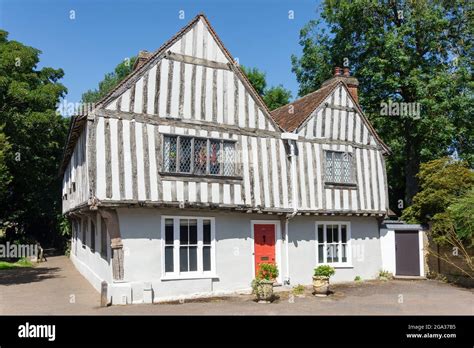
(302, 108)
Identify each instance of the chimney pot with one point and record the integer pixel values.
(343, 74)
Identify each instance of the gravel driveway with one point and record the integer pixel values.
(55, 287)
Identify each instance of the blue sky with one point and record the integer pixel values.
(104, 32)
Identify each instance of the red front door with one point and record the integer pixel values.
(264, 237)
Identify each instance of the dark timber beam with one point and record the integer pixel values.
(182, 58)
(113, 228)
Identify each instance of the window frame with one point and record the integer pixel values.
(200, 273)
(192, 172)
(331, 181)
(339, 264)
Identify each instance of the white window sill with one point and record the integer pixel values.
(336, 265)
(189, 276)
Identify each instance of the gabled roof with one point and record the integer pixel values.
(157, 55)
(292, 116)
(142, 65)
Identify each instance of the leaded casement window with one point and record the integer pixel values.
(198, 156)
(188, 247)
(339, 167)
(333, 241)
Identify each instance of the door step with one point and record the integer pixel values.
(400, 277)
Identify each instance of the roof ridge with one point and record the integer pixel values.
(307, 95)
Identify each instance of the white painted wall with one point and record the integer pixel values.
(90, 263)
(387, 246)
(366, 253)
(140, 229)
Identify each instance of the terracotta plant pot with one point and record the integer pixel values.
(264, 291)
(320, 285)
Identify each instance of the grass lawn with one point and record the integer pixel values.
(19, 263)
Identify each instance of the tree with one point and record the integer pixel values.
(257, 78)
(446, 203)
(442, 182)
(36, 134)
(110, 80)
(462, 213)
(274, 97)
(5, 177)
(406, 52)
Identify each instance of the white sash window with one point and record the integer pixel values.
(188, 247)
(333, 243)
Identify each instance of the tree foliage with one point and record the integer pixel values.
(445, 199)
(36, 135)
(257, 78)
(403, 51)
(462, 212)
(5, 177)
(109, 81)
(275, 96)
(442, 181)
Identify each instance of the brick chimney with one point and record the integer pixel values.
(352, 83)
(345, 75)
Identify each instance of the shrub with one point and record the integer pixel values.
(385, 274)
(357, 279)
(324, 271)
(298, 290)
(267, 271)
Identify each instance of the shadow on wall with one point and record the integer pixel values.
(27, 275)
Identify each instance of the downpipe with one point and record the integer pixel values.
(292, 145)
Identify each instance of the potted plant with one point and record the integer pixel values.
(321, 279)
(262, 285)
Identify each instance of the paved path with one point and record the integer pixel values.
(52, 287)
(47, 289)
